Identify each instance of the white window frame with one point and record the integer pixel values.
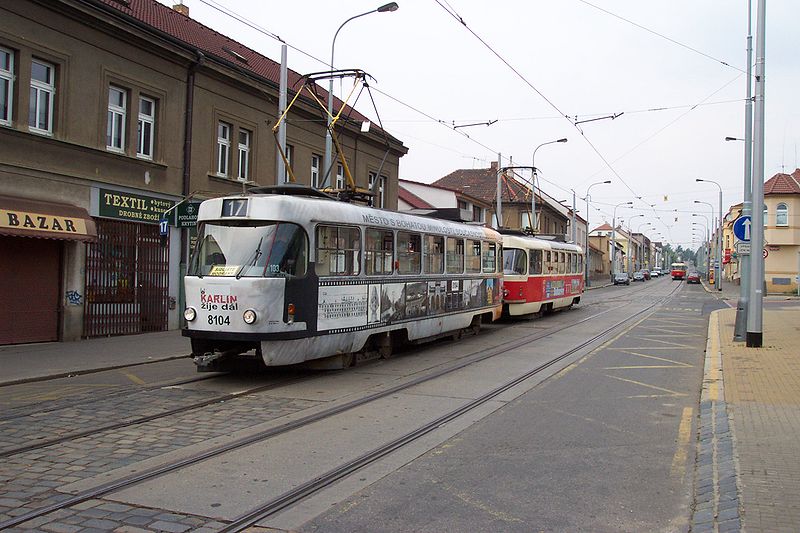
(39, 88)
(7, 76)
(381, 184)
(223, 160)
(339, 176)
(243, 172)
(116, 118)
(146, 122)
(315, 162)
(782, 212)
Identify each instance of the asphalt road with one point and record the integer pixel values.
(606, 445)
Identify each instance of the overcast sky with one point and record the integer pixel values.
(572, 57)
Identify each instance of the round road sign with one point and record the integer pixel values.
(766, 253)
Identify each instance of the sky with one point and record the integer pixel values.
(672, 73)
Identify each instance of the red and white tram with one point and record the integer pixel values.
(678, 271)
(540, 275)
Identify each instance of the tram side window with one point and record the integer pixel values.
(434, 254)
(378, 252)
(580, 264)
(455, 256)
(473, 256)
(338, 251)
(489, 257)
(536, 262)
(562, 263)
(548, 262)
(574, 263)
(409, 253)
(514, 261)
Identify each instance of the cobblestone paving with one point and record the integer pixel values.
(29, 481)
(762, 390)
(69, 419)
(102, 515)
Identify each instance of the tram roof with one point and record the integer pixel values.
(308, 210)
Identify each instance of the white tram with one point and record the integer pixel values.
(540, 275)
(298, 277)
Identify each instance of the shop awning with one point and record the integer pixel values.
(22, 217)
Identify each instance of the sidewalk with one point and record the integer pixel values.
(748, 476)
(32, 362)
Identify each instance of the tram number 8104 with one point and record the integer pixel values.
(219, 320)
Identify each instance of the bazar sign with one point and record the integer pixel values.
(129, 206)
(41, 222)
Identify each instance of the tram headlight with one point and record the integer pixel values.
(189, 314)
(249, 316)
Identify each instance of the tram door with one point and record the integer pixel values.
(127, 280)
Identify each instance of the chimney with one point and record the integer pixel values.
(180, 8)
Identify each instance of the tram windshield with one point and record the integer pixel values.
(514, 261)
(250, 249)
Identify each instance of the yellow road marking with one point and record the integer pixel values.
(668, 343)
(135, 379)
(672, 393)
(647, 356)
(633, 367)
(712, 376)
(684, 435)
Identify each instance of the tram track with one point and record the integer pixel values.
(164, 414)
(314, 486)
(327, 479)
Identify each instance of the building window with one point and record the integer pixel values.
(782, 215)
(244, 154)
(766, 216)
(477, 214)
(339, 176)
(115, 129)
(6, 85)
(290, 155)
(223, 149)
(146, 127)
(43, 92)
(315, 159)
(524, 219)
(378, 199)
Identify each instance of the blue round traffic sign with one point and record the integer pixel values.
(741, 228)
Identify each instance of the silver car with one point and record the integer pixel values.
(621, 278)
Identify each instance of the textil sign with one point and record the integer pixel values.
(128, 206)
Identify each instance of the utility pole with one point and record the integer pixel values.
(740, 328)
(755, 332)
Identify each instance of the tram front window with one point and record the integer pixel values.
(514, 261)
(250, 249)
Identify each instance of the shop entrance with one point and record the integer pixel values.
(127, 280)
(30, 288)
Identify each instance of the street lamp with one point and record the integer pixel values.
(586, 249)
(614, 239)
(533, 182)
(706, 241)
(718, 260)
(630, 240)
(328, 163)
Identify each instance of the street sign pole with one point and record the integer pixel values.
(755, 332)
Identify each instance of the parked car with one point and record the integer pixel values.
(638, 276)
(693, 277)
(621, 278)
(655, 273)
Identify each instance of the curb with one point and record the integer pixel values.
(716, 505)
(73, 373)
